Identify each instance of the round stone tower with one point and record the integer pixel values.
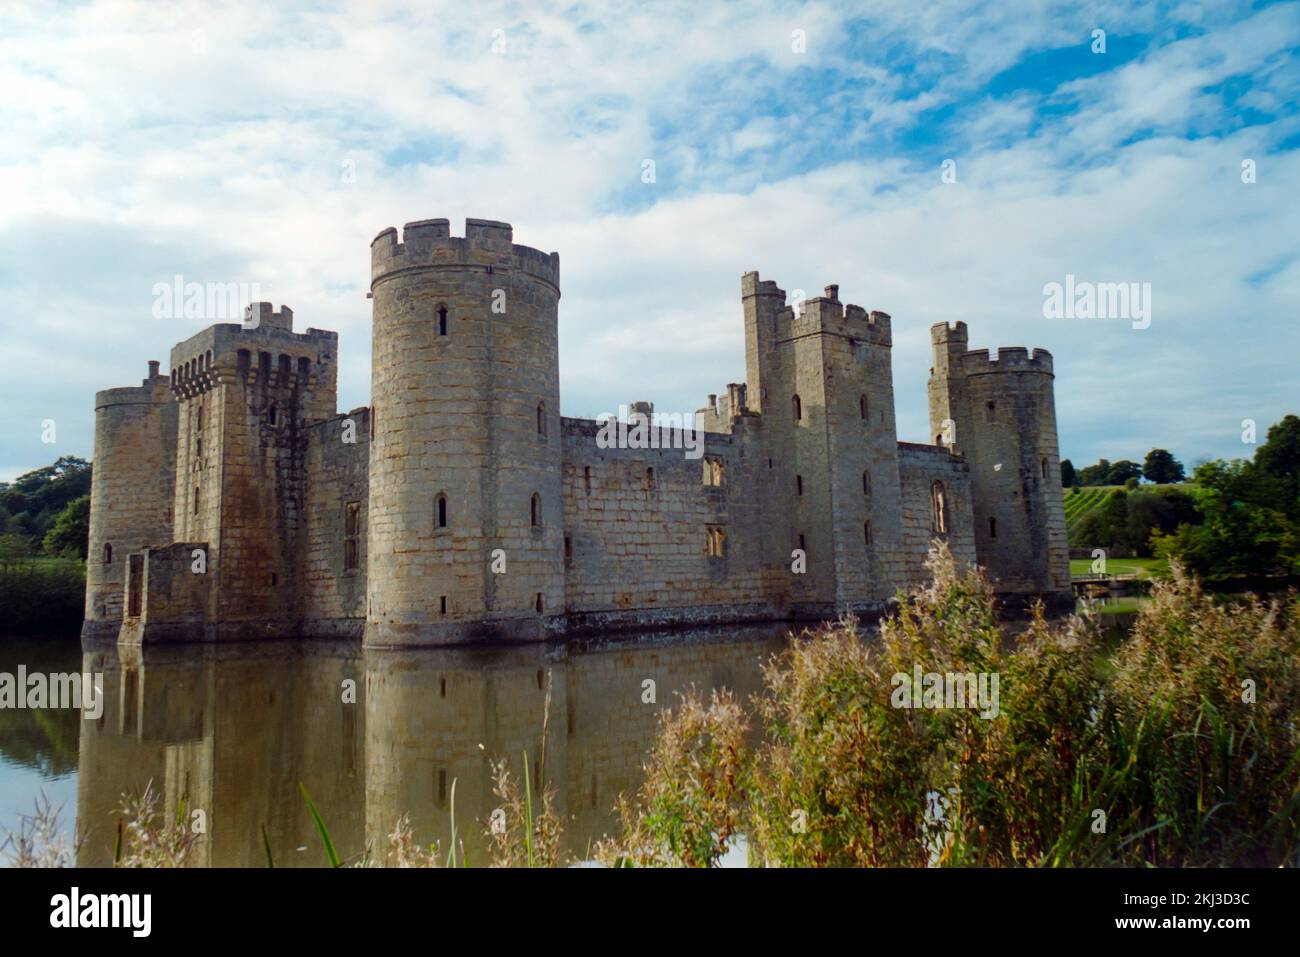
(130, 491)
(1000, 414)
(466, 532)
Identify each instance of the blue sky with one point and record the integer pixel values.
(141, 141)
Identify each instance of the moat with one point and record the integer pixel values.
(232, 729)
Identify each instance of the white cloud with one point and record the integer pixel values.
(132, 157)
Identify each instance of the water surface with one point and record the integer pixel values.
(231, 730)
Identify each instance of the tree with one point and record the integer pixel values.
(1162, 468)
(1122, 471)
(70, 533)
(1068, 477)
(30, 503)
(1104, 527)
(1095, 474)
(1279, 456)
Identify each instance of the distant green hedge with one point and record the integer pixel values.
(41, 596)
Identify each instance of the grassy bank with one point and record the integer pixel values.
(42, 596)
(1141, 566)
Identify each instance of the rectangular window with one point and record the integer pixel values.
(351, 535)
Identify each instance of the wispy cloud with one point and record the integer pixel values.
(147, 140)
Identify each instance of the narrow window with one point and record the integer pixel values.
(536, 510)
(798, 484)
(862, 407)
(1043, 466)
(196, 500)
(442, 605)
(264, 365)
(538, 603)
(586, 478)
(993, 527)
(802, 547)
(442, 320)
(712, 471)
(283, 367)
(938, 508)
(568, 550)
(541, 418)
(198, 448)
(198, 418)
(866, 482)
(304, 368)
(649, 479)
(441, 509)
(798, 409)
(990, 411)
(108, 554)
(866, 533)
(271, 414)
(351, 534)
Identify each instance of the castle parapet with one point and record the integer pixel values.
(268, 351)
(827, 314)
(1009, 359)
(487, 243)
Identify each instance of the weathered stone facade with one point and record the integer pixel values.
(461, 506)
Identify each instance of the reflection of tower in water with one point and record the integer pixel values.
(233, 732)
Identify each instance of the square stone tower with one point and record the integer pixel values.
(246, 395)
(821, 377)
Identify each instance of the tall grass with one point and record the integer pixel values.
(1180, 748)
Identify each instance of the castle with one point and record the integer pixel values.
(231, 501)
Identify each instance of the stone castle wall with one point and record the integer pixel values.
(334, 553)
(460, 506)
(636, 523)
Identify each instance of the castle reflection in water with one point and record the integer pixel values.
(233, 729)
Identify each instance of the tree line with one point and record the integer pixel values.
(1160, 468)
(1235, 518)
(47, 511)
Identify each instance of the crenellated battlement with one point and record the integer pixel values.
(271, 352)
(487, 244)
(820, 314)
(943, 332)
(1008, 359)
